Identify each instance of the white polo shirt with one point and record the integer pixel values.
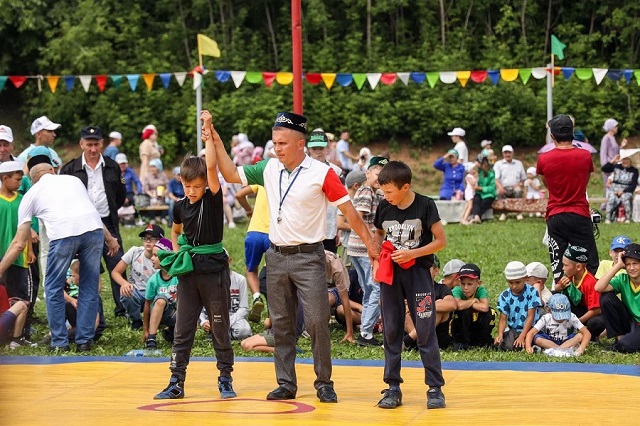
(62, 204)
(95, 186)
(509, 173)
(299, 198)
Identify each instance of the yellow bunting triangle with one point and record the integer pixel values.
(284, 78)
(328, 78)
(463, 77)
(52, 80)
(148, 80)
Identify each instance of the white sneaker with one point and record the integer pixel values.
(519, 217)
(503, 217)
(607, 221)
(232, 225)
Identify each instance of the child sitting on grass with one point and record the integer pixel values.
(12, 319)
(518, 308)
(557, 329)
(537, 276)
(473, 320)
(161, 297)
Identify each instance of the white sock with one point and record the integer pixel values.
(366, 335)
(256, 296)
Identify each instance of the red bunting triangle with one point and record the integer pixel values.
(269, 78)
(479, 76)
(17, 80)
(388, 78)
(314, 78)
(101, 81)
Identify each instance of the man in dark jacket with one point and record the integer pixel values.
(105, 185)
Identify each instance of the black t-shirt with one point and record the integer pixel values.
(441, 290)
(409, 228)
(187, 214)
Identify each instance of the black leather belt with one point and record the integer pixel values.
(301, 248)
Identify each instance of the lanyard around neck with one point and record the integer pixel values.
(283, 197)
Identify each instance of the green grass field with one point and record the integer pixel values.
(490, 245)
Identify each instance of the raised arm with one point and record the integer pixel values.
(602, 285)
(224, 162)
(210, 151)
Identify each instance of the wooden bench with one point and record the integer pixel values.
(153, 211)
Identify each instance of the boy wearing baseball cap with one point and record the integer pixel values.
(560, 328)
(139, 258)
(473, 320)
(578, 284)
(622, 316)
(618, 245)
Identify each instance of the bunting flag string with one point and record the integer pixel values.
(329, 80)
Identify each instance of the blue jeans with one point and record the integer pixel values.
(88, 247)
(370, 293)
(134, 304)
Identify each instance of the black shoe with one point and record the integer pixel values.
(151, 343)
(460, 346)
(83, 347)
(372, 341)
(391, 399)
(64, 348)
(327, 394)
(167, 334)
(280, 393)
(175, 390)
(435, 398)
(136, 325)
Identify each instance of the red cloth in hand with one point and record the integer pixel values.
(384, 274)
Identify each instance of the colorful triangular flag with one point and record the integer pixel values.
(166, 79)
(85, 80)
(404, 77)
(117, 79)
(328, 78)
(359, 79)
(52, 81)
(344, 79)
(238, 77)
(101, 81)
(180, 77)
(373, 78)
(148, 80)
(599, 74)
(69, 81)
(133, 81)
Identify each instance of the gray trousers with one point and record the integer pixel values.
(196, 291)
(289, 277)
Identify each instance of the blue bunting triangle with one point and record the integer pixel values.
(166, 79)
(568, 72)
(494, 75)
(3, 80)
(344, 79)
(223, 76)
(614, 75)
(418, 77)
(69, 80)
(627, 75)
(133, 81)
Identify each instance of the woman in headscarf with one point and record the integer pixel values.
(623, 184)
(452, 183)
(149, 149)
(609, 148)
(363, 160)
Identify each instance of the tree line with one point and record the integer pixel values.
(72, 37)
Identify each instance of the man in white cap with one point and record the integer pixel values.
(115, 140)
(510, 176)
(457, 137)
(43, 130)
(6, 144)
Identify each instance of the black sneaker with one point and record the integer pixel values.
(136, 325)
(435, 398)
(391, 399)
(167, 334)
(151, 343)
(175, 390)
(255, 315)
(372, 341)
(225, 388)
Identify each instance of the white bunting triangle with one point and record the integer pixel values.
(373, 78)
(599, 73)
(85, 80)
(238, 77)
(539, 73)
(448, 77)
(180, 77)
(197, 80)
(404, 77)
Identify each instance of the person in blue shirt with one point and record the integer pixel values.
(453, 182)
(130, 177)
(175, 191)
(115, 140)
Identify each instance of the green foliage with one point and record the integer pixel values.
(103, 37)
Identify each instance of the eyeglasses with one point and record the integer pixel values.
(149, 240)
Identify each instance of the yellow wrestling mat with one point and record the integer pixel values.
(113, 391)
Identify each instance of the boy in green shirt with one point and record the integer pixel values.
(622, 316)
(473, 320)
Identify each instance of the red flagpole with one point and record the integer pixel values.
(296, 36)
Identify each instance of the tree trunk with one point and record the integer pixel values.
(211, 23)
(547, 30)
(185, 38)
(225, 40)
(369, 28)
(442, 23)
(523, 23)
(273, 36)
